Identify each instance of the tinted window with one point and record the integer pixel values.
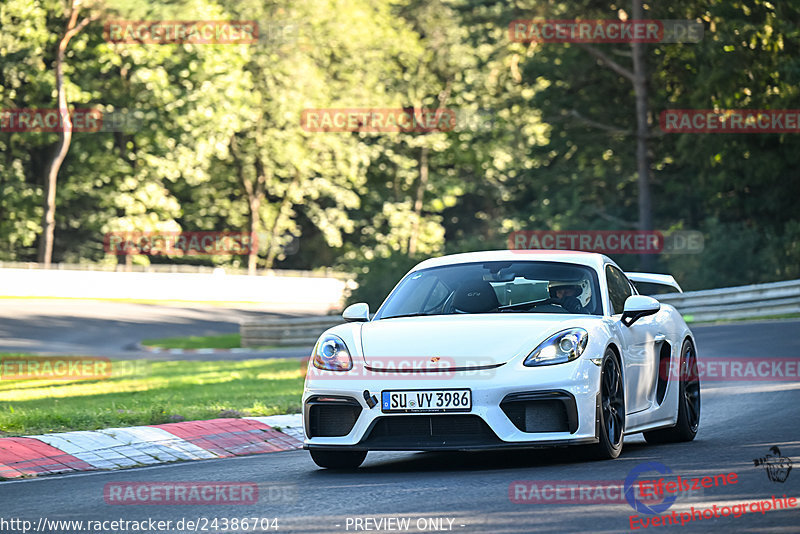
(619, 289)
(496, 287)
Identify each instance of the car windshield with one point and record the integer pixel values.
(496, 287)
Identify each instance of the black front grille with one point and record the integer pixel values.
(542, 411)
(429, 431)
(330, 417)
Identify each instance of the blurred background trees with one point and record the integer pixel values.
(545, 135)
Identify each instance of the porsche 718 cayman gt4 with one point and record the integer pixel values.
(503, 349)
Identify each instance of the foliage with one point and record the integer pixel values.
(377, 278)
(544, 137)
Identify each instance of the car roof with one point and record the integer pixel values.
(589, 259)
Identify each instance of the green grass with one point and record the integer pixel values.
(144, 392)
(223, 341)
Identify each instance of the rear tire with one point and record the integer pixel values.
(688, 402)
(612, 410)
(338, 459)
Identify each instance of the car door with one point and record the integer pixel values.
(638, 340)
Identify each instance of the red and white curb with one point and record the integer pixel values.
(291, 424)
(116, 448)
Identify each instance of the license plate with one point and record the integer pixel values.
(426, 400)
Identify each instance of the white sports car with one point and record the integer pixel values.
(503, 349)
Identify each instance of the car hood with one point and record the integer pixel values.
(458, 341)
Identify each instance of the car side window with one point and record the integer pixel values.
(619, 289)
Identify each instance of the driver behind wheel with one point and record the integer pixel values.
(566, 296)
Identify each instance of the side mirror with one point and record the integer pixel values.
(358, 312)
(638, 306)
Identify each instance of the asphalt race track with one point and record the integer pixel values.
(113, 329)
(469, 492)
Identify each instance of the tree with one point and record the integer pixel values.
(72, 28)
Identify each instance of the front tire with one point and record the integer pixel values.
(688, 402)
(338, 459)
(612, 410)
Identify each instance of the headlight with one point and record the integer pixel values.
(331, 354)
(560, 348)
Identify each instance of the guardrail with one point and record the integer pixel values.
(173, 268)
(292, 294)
(286, 332)
(757, 300)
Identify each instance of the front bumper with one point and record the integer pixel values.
(512, 406)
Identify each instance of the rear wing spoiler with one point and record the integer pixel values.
(650, 278)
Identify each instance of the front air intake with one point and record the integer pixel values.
(331, 416)
(420, 432)
(542, 411)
